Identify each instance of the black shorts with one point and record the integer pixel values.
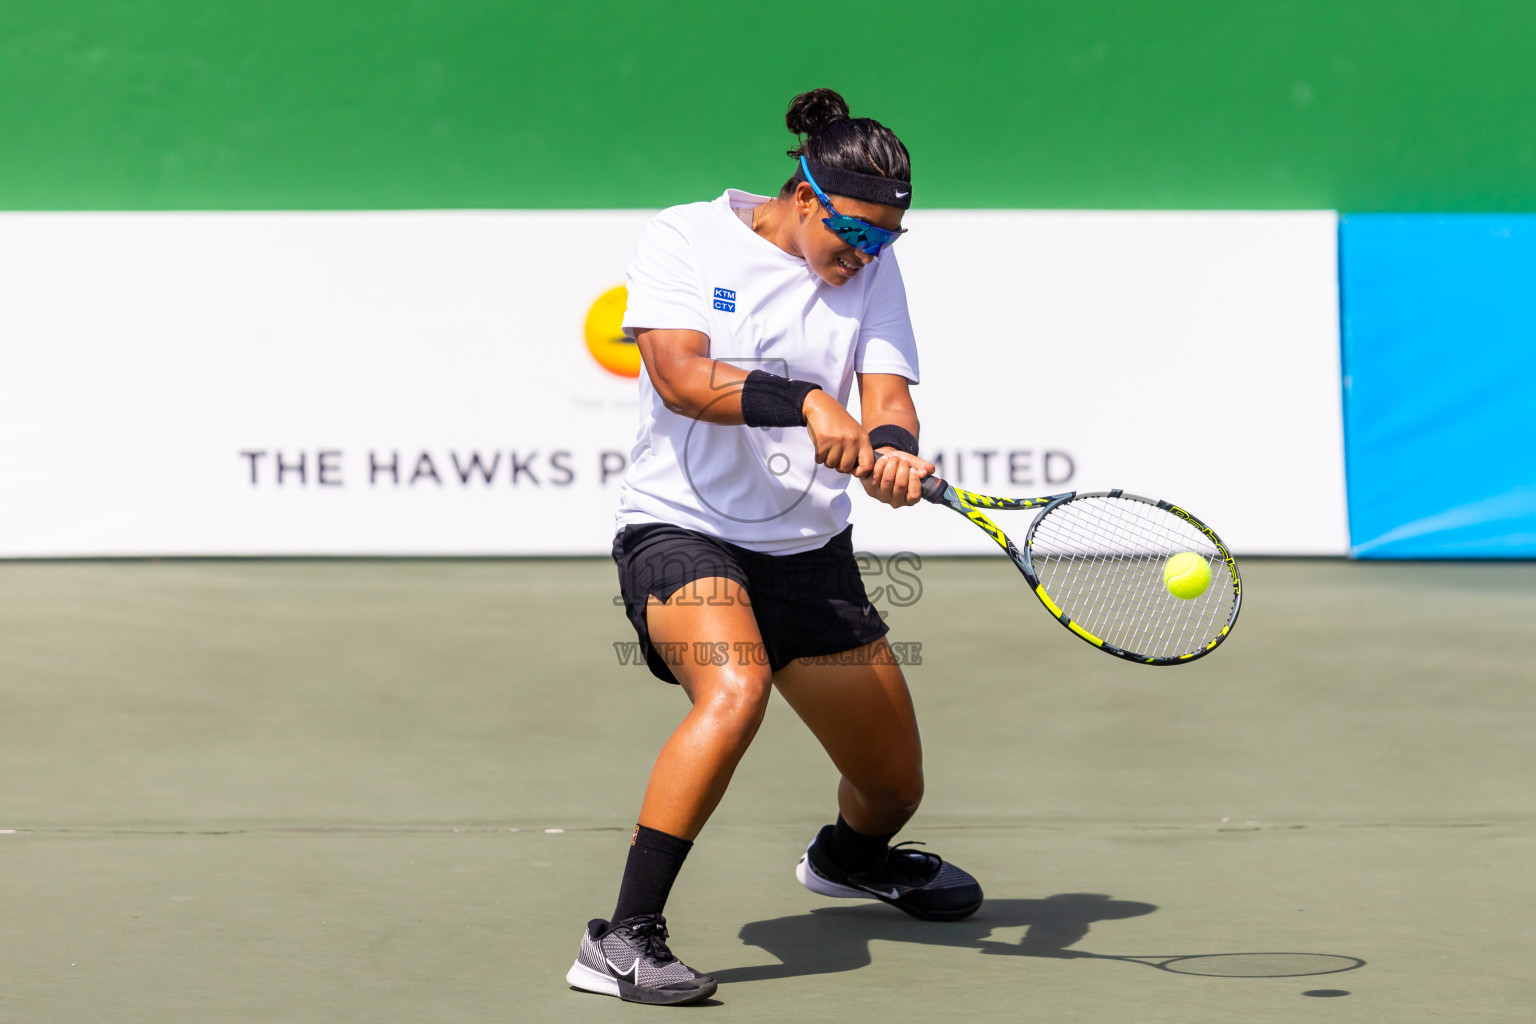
(807, 604)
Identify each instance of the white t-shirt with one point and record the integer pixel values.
(698, 267)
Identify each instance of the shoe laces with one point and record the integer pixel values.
(650, 930)
(922, 864)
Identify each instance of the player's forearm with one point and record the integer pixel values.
(690, 383)
(713, 391)
(895, 414)
(701, 388)
(885, 399)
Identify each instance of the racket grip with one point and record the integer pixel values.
(932, 486)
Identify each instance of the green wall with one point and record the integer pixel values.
(174, 104)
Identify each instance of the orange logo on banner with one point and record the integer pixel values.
(605, 339)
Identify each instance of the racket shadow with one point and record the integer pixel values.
(829, 940)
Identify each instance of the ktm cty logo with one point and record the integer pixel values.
(605, 338)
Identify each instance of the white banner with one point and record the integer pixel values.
(435, 383)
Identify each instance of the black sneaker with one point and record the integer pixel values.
(631, 960)
(920, 883)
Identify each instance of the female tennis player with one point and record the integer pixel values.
(754, 317)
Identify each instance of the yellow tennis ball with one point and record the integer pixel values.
(1186, 575)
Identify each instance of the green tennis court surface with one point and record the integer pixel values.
(373, 791)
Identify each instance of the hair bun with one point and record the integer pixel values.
(812, 111)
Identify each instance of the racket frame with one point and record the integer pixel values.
(970, 505)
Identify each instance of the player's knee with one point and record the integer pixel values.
(736, 705)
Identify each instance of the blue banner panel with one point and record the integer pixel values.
(1439, 336)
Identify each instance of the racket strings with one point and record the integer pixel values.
(1101, 561)
(1139, 538)
(1108, 594)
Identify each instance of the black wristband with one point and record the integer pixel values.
(889, 435)
(768, 400)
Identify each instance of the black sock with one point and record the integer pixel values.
(855, 851)
(655, 858)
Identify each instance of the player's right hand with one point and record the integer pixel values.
(841, 442)
(897, 479)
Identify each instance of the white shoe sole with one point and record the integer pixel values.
(585, 978)
(824, 886)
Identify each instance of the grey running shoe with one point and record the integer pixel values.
(920, 883)
(630, 959)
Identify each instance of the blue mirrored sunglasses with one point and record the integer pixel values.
(865, 237)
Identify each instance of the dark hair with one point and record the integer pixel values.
(859, 144)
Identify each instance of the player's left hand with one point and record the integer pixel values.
(897, 479)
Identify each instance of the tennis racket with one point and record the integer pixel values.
(1096, 560)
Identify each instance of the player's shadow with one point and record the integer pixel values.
(829, 940)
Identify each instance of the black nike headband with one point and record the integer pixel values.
(867, 188)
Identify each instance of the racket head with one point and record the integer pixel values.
(1096, 560)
